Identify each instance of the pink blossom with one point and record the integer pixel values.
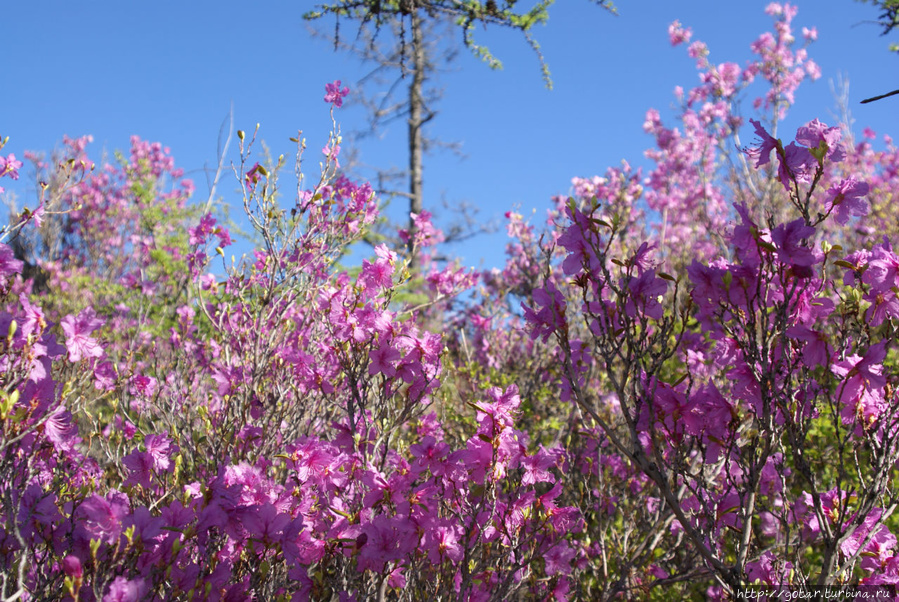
(430, 454)
(142, 386)
(103, 516)
(424, 234)
(332, 152)
(334, 95)
(813, 70)
(104, 376)
(59, 429)
(551, 313)
(861, 390)
(377, 275)
(826, 140)
(124, 590)
(677, 34)
(536, 466)
(9, 167)
(268, 524)
(442, 540)
(698, 50)
(762, 152)
(792, 241)
(816, 351)
(9, 265)
(882, 538)
(160, 448)
(847, 197)
(71, 565)
(644, 295)
(312, 459)
(32, 321)
(796, 163)
(141, 466)
(383, 359)
(199, 233)
(769, 570)
(251, 178)
(559, 559)
(224, 237)
(384, 542)
(77, 330)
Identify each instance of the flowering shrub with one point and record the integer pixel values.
(701, 357)
(602, 420)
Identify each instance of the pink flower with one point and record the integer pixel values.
(33, 322)
(142, 386)
(795, 164)
(424, 233)
(861, 391)
(561, 589)
(377, 275)
(762, 152)
(848, 199)
(103, 516)
(268, 524)
(252, 176)
(768, 569)
(298, 543)
(77, 330)
(141, 466)
(224, 237)
(500, 414)
(788, 238)
(334, 95)
(37, 215)
(60, 430)
(580, 240)
(332, 153)
(385, 540)
(644, 294)
(677, 34)
(312, 459)
(71, 566)
(813, 70)
(199, 233)
(383, 359)
(430, 454)
(160, 448)
(815, 352)
(104, 376)
(9, 167)
(536, 467)
(551, 315)
(882, 537)
(818, 137)
(9, 265)
(123, 590)
(442, 541)
(559, 559)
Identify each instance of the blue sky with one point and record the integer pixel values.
(169, 72)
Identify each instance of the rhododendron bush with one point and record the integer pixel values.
(682, 387)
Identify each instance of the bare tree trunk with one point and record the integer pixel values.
(416, 121)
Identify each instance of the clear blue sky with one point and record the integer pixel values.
(169, 71)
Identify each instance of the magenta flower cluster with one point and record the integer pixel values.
(684, 385)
